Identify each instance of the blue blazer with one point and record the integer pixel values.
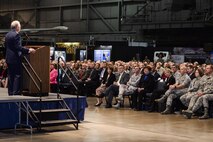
(14, 49)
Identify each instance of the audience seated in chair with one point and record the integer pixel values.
(176, 90)
(203, 95)
(193, 88)
(113, 89)
(107, 80)
(146, 85)
(53, 77)
(90, 82)
(130, 87)
(162, 87)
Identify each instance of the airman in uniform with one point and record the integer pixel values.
(176, 90)
(193, 87)
(204, 94)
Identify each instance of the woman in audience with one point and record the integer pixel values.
(53, 77)
(146, 85)
(108, 79)
(193, 88)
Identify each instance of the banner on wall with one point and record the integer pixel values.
(184, 51)
(178, 58)
(191, 54)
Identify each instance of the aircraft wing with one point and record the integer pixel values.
(58, 28)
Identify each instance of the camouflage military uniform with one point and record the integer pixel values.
(193, 88)
(172, 94)
(207, 90)
(195, 97)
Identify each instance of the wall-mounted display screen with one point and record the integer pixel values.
(61, 54)
(52, 53)
(102, 55)
(83, 55)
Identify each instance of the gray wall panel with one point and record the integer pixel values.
(155, 15)
(76, 27)
(49, 15)
(71, 14)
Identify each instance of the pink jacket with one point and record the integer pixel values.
(53, 76)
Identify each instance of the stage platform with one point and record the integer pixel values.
(9, 110)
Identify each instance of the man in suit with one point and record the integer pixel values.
(103, 71)
(92, 82)
(113, 89)
(191, 71)
(14, 51)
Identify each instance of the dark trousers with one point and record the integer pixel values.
(53, 88)
(137, 99)
(156, 94)
(110, 92)
(87, 88)
(90, 87)
(14, 79)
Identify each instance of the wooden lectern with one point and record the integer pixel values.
(40, 62)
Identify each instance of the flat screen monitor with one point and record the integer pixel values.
(83, 55)
(61, 54)
(52, 53)
(102, 55)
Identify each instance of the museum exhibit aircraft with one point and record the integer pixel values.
(34, 30)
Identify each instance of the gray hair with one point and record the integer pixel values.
(15, 24)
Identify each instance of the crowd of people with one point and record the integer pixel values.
(189, 84)
(3, 74)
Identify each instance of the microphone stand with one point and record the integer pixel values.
(27, 38)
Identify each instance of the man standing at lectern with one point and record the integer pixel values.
(14, 51)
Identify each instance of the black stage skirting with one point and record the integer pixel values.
(9, 114)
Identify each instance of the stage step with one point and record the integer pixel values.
(58, 122)
(51, 100)
(51, 110)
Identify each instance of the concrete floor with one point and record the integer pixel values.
(123, 125)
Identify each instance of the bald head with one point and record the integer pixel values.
(16, 26)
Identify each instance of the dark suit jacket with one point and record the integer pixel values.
(156, 76)
(110, 80)
(124, 78)
(192, 76)
(94, 75)
(168, 82)
(147, 82)
(104, 75)
(86, 75)
(14, 49)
